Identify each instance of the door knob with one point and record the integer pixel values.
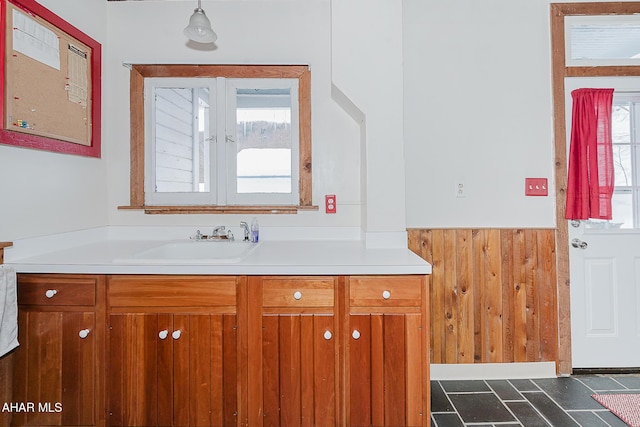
(577, 243)
(83, 333)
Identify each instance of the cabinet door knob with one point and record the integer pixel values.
(176, 334)
(327, 335)
(297, 295)
(84, 333)
(50, 293)
(386, 294)
(163, 334)
(355, 334)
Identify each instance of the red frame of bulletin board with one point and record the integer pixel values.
(28, 140)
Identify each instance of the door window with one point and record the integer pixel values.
(625, 128)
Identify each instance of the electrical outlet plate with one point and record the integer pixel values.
(460, 189)
(330, 203)
(536, 187)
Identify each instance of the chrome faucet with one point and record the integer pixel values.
(218, 233)
(245, 227)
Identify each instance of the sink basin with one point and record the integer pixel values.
(194, 252)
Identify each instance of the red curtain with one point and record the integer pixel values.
(590, 181)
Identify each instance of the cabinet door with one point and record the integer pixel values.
(299, 370)
(293, 346)
(54, 368)
(387, 356)
(385, 369)
(172, 369)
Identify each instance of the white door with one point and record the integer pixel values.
(605, 268)
(605, 274)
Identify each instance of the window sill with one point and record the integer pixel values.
(205, 209)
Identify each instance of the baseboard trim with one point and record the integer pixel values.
(493, 371)
(606, 371)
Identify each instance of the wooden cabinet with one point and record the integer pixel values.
(173, 350)
(387, 359)
(58, 367)
(338, 351)
(293, 351)
(163, 350)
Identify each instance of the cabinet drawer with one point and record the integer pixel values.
(171, 291)
(35, 290)
(296, 292)
(385, 291)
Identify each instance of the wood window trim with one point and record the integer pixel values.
(559, 72)
(2, 246)
(140, 72)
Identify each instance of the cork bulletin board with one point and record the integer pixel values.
(51, 74)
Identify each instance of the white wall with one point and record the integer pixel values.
(249, 32)
(367, 70)
(42, 192)
(478, 108)
(466, 85)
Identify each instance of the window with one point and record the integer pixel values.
(625, 129)
(220, 138)
(602, 40)
(221, 141)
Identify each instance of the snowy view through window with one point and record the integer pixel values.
(623, 129)
(264, 150)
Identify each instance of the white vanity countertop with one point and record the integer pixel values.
(102, 251)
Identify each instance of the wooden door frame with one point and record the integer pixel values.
(559, 72)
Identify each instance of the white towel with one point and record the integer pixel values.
(8, 310)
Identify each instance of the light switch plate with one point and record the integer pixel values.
(536, 187)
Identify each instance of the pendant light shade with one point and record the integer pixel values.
(199, 28)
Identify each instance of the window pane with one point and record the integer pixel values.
(602, 40)
(605, 41)
(181, 126)
(622, 126)
(622, 206)
(263, 132)
(622, 165)
(621, 123)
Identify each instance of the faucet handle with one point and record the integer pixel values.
(197, 236)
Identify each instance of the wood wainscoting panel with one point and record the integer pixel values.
(6, 386)
(493, 294)
(6, 366)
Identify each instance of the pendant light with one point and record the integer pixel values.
(199, 28)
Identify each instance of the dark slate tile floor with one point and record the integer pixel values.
(549, 402)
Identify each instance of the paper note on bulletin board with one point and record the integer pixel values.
(48, 80)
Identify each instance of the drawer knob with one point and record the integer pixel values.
(355, 334)
(327, 335)
(386, 294)
(83, 333)
(50, 293)
(176, 334)
(297, 295)
(163, 334)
